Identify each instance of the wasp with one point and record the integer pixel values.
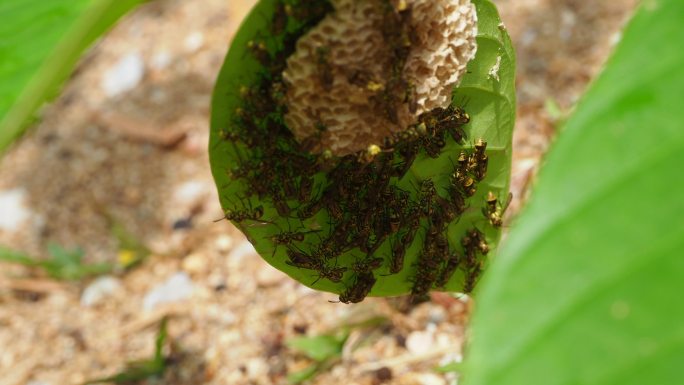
(398, 253)
(368, 264)
(324, 68)
(411, 98)
(385, 102)
(361, 232)
(305, 188)
(397, 32)
(408, 151)
(370, 154)
(473, 242)
(359, 289)
(309, 12)
(243, 215)
(310, 209)
(333, 274)
(478, 160)
(453, 123)
(426, 196)
(278, 93)
(433, 146)
(457, 201)
(472, 275)
(280, 18)
(327, 250)
(287, 238)
(424, 280)
(301, 260)
(279, 200)
(334, 209)
(448, 270)
(257, 99)
(249, 213)
(460, 178)
(450, 119)
(260, 52)
(494, 211)
(360, 78)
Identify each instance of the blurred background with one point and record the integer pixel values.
(111, 200)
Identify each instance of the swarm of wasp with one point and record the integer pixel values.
(357, 195)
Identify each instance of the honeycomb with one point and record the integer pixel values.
(341, 80)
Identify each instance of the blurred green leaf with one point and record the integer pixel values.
(69, 265)
(60, 255)
(8, 255)
(65, 264)
(145, 369)
(587, 288)
(305, 374)
(324, 349)
(162, 336)
(554, 110)
(131, 250)
(40, 43)
(320, 348)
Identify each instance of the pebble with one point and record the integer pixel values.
(194, 41)
(450, 358)
(124, 76)
(161, 60)
(243, 250)
(177, 288)
(256, 368)
(223, 243)
(430, 379)
(99, 290)
(190, 192)
(194, 263)
(268, 276)
(182, 224)
(13, 210)
(437, 315)
(383, 375)
(420, 342)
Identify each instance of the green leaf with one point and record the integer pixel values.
(8, 255)
(319, 348)
(305, 374)
(40, 42)
(69, 264)
(489, 98)
(162, 336)
(62, 256)
(64, 264)
(136, 371)
(586, 290)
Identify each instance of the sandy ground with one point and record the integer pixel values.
(137, 160)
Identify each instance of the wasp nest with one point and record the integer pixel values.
(371, 67)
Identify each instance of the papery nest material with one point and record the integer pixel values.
(329, 108)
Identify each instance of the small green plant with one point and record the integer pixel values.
(325, 350)
(135, 371)
(132, 251)
(63, 264)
